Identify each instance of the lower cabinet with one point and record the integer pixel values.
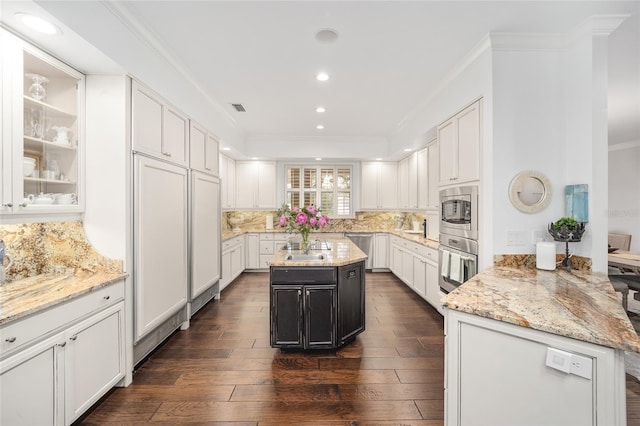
(381, 251)
(233, 260)
(323, 314)
(55, 380)
(417, 266)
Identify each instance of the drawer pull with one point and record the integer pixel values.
(10, 339)
(107, 297)
(63, 344)
(73, 338)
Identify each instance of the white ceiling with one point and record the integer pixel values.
(388, 58)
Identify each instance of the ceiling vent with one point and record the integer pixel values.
(239, 107)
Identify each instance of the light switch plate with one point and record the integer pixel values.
(516, 238)
(559, 360)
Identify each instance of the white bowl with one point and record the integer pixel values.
(29, 164)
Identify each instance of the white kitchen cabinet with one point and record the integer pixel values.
(56, 363)
(428, 196)
(432, 293)
(433, 225)
(30, 385)
(94, 360)
(379, 185)
(381, 251)
(160, 242)
(420, 276)
(408, 182)
(459, 146)
(205, 232)
(203, 148)
(256, 184)
(43, 120)
(252, 247)
(159, 129)
(233, 260)
(488, 362)
(227, 182)
(433, 170)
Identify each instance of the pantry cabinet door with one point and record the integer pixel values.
(160, 242)
(205, 232)
(469, 143)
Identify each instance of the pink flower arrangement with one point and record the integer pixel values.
(302, 220)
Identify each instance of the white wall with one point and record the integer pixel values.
(528, 134)
(107, 161)
(624, 191)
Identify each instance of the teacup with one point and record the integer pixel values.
(28, 199)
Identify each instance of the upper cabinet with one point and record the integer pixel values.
(256, 185)
(459, 146)
(159, 129)
(42, 143)
(227, 182)
(428, 176)
(203, 148)
(408, 182)
(379, 185)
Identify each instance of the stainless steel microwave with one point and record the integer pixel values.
(459, 211)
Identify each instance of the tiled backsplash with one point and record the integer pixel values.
(53, 247)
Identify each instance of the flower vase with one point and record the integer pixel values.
(305, 240)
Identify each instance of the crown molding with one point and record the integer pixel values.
(597, 25)
(481, 47)
(624, 145)
(151, 40)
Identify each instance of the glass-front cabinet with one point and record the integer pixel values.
(42, 137)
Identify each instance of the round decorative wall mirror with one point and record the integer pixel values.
(530, 191)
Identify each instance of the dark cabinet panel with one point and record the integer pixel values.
(320, 314)
(286, 316)
(351, 309)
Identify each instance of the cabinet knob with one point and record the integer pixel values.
(107, 297)
(167, 154)
(8, 204)
(73, 338)
(10, 339)
(63, 344)
(22, 205)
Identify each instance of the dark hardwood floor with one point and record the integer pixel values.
(222, 371)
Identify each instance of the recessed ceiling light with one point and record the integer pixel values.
(322, 76)
(226, 148)
(320, 109)
(38, 24)
(378, 159)
(407, 150)
(254, 158)
(319, 127)
(327, 35)
(318, 158)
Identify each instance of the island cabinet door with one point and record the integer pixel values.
(350, 301)
(286, 316)
(320, 314)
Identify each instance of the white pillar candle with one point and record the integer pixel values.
(546, 256)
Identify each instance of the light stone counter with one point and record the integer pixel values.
(416, 238)
(30, 295)
(342, 252)
(581, 305)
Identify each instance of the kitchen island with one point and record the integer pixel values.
(317, 298)
(532, 347)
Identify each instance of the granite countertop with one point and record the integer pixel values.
(30, 295)
(416, 238)
(581, 305)
(343, 252)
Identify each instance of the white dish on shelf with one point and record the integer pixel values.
(29, 164)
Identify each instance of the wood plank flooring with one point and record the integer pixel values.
(221, 370)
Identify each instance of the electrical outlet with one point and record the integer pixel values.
(581, 366)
